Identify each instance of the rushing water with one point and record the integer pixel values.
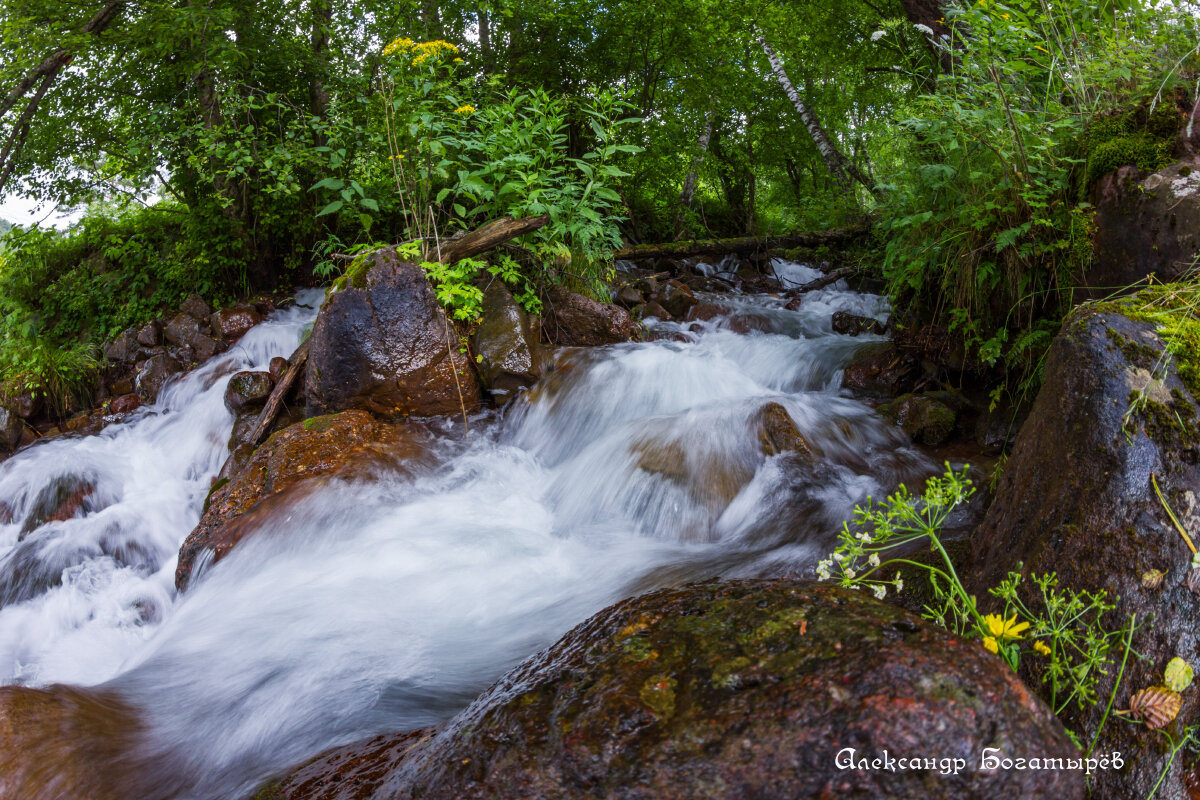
(388, 604)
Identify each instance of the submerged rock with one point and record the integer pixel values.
(676, 297)
(725, 690)
(576, 321)
(387, 347)
(63, 742)
(1076, 498)
(507, 345)
(714, 471)
(349, 443)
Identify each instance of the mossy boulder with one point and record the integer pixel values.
(247, 389)
(922, 417)
(388, 347)
(507, 345)
(1077, 498)
(288, 466)
(727, 690)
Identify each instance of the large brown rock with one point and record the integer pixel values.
(1076, 498)
(576, 321)
(725, 690)
(1144, 225)
(284, 468)
(231, 324)
(386, 346)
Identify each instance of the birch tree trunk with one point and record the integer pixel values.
(689, 183)
(840, 168)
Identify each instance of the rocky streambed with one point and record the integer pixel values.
(570, 556)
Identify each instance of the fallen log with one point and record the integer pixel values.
(826, 279)
(488, 236)
(741, 244)
(271, 409)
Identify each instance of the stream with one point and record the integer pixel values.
(389, 604)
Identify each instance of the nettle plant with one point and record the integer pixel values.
(1034, 617)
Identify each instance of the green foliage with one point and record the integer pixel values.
(985, 229)
(1060, 629)
(1140, 138)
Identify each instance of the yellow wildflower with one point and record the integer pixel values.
(467, 109)
(989, 644)
(399, 44)
(1002, 628)
(1041, 648)
(1004, 16)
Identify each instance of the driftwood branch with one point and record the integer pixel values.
(825, 280)
(271, 409)
(491, 235)
(741, 244)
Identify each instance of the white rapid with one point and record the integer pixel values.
(388, 604)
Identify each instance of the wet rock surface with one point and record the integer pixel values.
(923, 417)
(231, 324)
(351, 443)
(62, 742)
(881, 370)
(1076, 498)
(154, 374)
(247, 390)
(576, 321)
(507, 345)
(725, 690)
(849, 324)
(388, 348)
(1145, 225)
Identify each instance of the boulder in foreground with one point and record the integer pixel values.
(724, 690)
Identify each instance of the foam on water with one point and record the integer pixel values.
(388, 604)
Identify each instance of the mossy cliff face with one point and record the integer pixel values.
(1076, 498)
(729, 690)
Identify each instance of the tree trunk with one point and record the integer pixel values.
(43, 76)
(841, 169)
(488, 236)
(741, 244)
(322, 21)
(689, 183)
(271, 409)
(929, 13)
(485, 37)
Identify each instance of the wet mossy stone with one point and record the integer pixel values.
(725, 690)
(1076, 498)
